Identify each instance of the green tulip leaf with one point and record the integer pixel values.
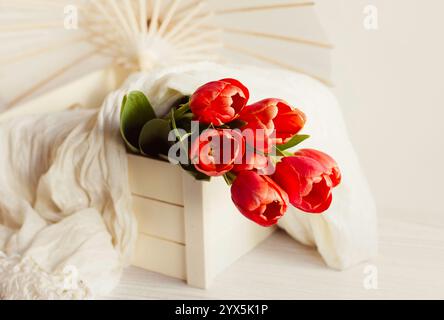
(199, 176)
(153, 139)
(282, 153)
(236, 124)
(136, 111)
(182, 110)
(190, 169)
(297, 139)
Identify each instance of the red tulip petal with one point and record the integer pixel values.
(258, 198)
(219, 102)
(238, 84)
(269, 215)
(328, 163)
(248, 190)
(288, 122)
(319, 198)
(215, 151)
(306, 183)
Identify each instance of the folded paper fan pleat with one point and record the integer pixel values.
(53, 42)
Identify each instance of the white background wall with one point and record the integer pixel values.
(390, 83)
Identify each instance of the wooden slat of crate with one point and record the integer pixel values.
(160, 219)
(155, 179)
(160, 256)
(216, 233)
(231, 244)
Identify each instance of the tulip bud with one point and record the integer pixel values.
(259, 198)
(308, 177)
(215, 152)
(219, 102)
(274, 116)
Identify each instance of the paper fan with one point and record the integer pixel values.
(45, 43)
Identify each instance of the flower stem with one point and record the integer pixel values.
(181, 111)
(229, 178)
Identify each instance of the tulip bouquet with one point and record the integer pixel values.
(216, 132)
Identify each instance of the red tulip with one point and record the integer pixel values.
(255, 161)
(259, 119)
(308, 177)
(219, 102)
(329, 164)
(272, 115)
(215, 152)
(288, 122)
(259, 198)
(252, 161)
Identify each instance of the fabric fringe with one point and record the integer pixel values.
(22, 279)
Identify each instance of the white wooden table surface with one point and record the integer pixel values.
(410, 265)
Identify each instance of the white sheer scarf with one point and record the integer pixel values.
(66, 227)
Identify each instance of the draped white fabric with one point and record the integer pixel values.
(66, 227)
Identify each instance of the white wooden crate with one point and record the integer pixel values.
(188, 229)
